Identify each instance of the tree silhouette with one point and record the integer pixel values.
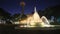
(53, 11)
(4, 15)
(15, 17)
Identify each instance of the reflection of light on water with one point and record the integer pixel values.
(49, 26)
(38, 26)
(33, 19)
(27, 26)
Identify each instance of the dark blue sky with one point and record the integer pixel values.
(13, 6)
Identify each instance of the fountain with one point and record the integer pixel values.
(34, 19)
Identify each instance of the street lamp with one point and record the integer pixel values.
(22, 5)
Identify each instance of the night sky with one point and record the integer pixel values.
(13, 6)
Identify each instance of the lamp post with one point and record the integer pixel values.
(22, 5)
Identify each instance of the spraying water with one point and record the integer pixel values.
(35, 18)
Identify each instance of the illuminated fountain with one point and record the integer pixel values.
(34, 19)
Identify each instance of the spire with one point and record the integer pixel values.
(35, 9)
(35, 6)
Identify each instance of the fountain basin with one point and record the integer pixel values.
(51, 27)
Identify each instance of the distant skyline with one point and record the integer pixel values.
(13, 6)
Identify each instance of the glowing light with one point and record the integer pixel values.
(35, 18)
(32, 24)
(21, 26)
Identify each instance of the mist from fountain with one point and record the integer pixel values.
(31, 21)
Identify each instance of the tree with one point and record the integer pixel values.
(4, 14)
(40, 13)
(53, 11)
(23, 17)
(15, 17)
